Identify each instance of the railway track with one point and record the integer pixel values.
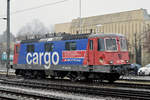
(136, 78)
(129, 89)
(123, 90)
(14, 94)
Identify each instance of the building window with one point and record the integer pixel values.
(71, 46)
(30, 48)
(77, 32)
(91, 30)
(49, 47)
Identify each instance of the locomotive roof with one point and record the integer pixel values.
(57, 37)
(106, 35)
(69, 37)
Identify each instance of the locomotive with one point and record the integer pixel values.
(78, 57)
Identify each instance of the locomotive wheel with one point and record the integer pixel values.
(41, 75)
(72, 76)
(28, 74)
(38, 76)
(17, 72)
(52, 77)
(20, 72)
(113, 77)
(111, 80)
(35, 74)
(61, 74)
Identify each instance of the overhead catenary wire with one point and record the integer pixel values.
(36, 7)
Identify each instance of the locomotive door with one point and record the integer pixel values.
(16, 53)
(91, 52)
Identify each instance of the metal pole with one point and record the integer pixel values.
(140, 53)
(8, 35)
(79, 16)
(135, 44)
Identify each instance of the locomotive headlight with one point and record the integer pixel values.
(127, 61)
(111, 62)
(101, 60)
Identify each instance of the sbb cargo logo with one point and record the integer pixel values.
(75, 56)
(48, 57)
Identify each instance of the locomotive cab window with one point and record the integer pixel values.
(70, 46)
(123, 44)
(101, 46)
(30, 48)
(49, 47)
(111, 44)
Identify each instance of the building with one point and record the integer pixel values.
(64, 27)
(133, 24)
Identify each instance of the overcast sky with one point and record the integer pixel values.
(64, 11)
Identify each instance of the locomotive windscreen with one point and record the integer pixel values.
(111, 44)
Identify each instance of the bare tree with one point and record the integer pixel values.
(3, 37)
(34, 27)
(146, 43)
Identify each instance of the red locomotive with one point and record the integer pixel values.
(81, 56)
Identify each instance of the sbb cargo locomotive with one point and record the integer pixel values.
(78, 57)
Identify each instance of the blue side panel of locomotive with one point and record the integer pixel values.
(59, 47)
